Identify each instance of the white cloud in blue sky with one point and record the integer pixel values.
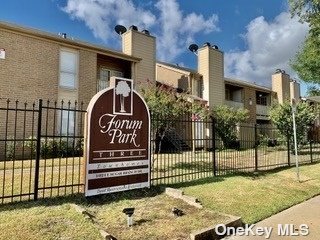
(270, 45)
(102, 15)
(173, 28)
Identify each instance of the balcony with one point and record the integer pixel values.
(262, 112)
(234, 104)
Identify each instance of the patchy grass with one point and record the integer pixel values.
(41, 220)
(153, 218)
(255, 197)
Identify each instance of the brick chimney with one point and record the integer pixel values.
(141, 45)
(281, 85)
(211, 66)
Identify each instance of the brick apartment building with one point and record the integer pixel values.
(36, 64)
(43, 65)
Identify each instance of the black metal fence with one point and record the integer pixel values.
(41, 149)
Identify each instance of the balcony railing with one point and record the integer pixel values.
(234, 104)
(262, 111)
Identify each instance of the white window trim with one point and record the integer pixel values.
(76, 85)
(111, 74)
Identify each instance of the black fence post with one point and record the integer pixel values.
(288, 146)
(255, 148)
(38, 153)
(214, 146)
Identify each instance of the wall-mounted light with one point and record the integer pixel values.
(250, 101)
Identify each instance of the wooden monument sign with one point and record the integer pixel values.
(117, 140)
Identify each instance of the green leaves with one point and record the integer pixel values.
(306, 62)
(226, 120)
(313, 91)
(165, 103)
(281, 116)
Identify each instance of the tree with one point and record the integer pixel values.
(307, 10)
(281, 116)
(313, 91)
(164, 102)
(123, 90)
(227, 119)
(306, 62)
(167, 106)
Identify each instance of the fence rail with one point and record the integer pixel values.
(41, 149)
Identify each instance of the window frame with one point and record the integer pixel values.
(111, 74)
(76, 74)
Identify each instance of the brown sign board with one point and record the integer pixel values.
(117, 143)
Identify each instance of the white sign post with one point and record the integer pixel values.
(294, 108)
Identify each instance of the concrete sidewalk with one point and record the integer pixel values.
(307, 213)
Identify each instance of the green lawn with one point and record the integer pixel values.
(44, 220)
(153, 218)
(253, 197)
(256, 197)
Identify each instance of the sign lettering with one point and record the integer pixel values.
(118, 140)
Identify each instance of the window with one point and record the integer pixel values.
(228, 94)
(200, 88)
(261, 98)
(68, 69)
(67, 122)
(104, 78)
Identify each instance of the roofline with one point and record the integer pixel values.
(245, 83)
(178, 68)
(312, 98)
(9, 27)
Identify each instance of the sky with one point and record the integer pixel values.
(257, 37)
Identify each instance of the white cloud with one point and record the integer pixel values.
(178, 30)
(270, 45)
(173, 28)
(102, 15)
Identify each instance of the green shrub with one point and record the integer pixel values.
(10, 149)
(56, 147)
(227, 119)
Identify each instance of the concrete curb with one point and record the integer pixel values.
(210, 232)
(90, 217)
(176, 193)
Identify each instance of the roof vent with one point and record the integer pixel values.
(133, 27)
(207, 44)
(146, 32)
